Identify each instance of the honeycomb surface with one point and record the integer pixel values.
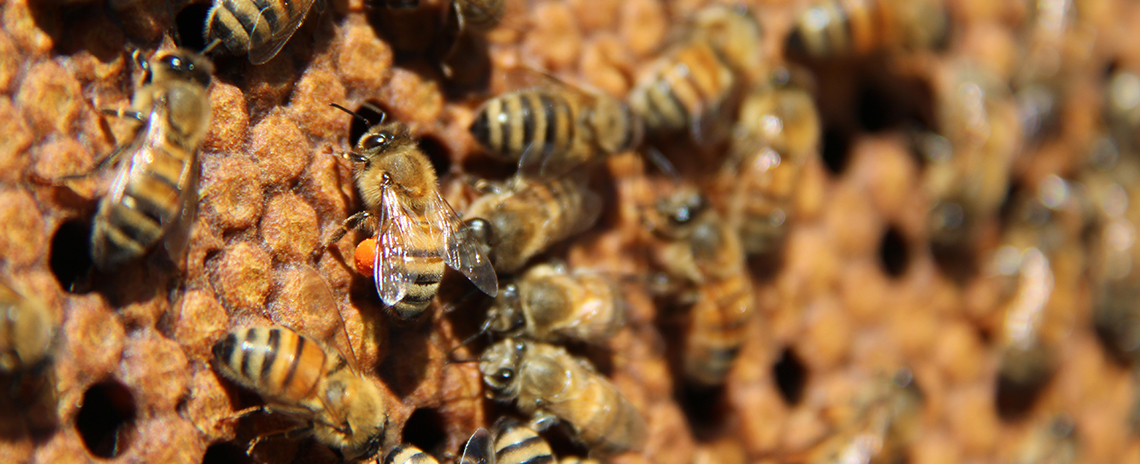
(857, 292)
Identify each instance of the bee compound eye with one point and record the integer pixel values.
(504, 375)
(373, 141)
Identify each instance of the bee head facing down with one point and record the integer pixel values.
(182, 65)
(677, 213)
(500, 365)
(506, 314)
(361, 405)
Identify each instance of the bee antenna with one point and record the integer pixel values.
(356, 115)
(658, 159)
(482, 331)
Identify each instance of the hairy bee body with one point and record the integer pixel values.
(516, 443)
(778, 130)
(417, 232)
(551, 129)
(833, 28)
(257, 28)
(884, 423)
(690, 86)
(546, 382)
(408, 454)
(549, 303)
(706, 256)
(309, 382)
(477, 450)
(155, 191)
(526, 217)
(27, 331)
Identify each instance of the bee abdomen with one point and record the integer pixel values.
(528, 120)
(408, 454)
(518, 444)
(695, 81)
(422, 289)
(273, 361)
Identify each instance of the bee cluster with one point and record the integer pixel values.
(686, 231)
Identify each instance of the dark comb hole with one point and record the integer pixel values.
(70, 259)
(836, 148)
(106, 419)
(893, 252)
(876, 111)
(191, 24)
(370, 110)
(704, 409)
(425, 429)
(437, 152)
(791, 377)
(226, 453)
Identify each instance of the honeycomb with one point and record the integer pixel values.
(856, 292)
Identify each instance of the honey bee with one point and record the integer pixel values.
(553, 127)
(550, 303)
(706, 256)
(155, 191)
(883, 426)
(968, 166)
(308, 382)
(417, 230)
(1052, 443)
(521, 218)
(837, 28)
(257, 28)
(777, 131)
(478, 450)
(691, 85)
(1122, 109)
(27, 332)
(550, 385)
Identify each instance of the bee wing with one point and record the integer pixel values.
(479, 449)
(179, 234)
(262, 50)
(317, 299)
(391, 266)
(462, 252)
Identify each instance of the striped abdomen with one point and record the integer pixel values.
(425, 271)
(408, 454)
(579, 307)
(717, 328)
(277, 363)
(682, 89)
(765, 186)
(240, 23)
(528, 221)
(518, 444)
(533, 119)
(144, 200)
(835, 28)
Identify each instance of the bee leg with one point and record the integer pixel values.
(542, 420)
(353, 222)
(287, 433)
(136, 115)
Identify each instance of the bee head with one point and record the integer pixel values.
(384, 138)
(499, 365)
(680, 211)
(180, 64)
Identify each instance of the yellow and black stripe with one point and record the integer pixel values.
(532, 119)
(717, 329)
(426, 271)
(516, 443)
(690, 83)
(408, 454)
(234, 21)
(131, 221)
(275, 362)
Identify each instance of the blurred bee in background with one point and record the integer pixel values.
(520, 219)
(1052, 443)
(777, 131)
(550, 385)
(27, 340)
(1122, 110)
(257, 28)
(841, 28)
(692, 84)
(1025, 263)
(968, 166)
(885, 422)
(305, 381)
(516, 443)
(471, 15)
(477, 450)
(417, 232)
(550, 303)
(555, 126)
(154, 194)
(704, 256)
(27, 331)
